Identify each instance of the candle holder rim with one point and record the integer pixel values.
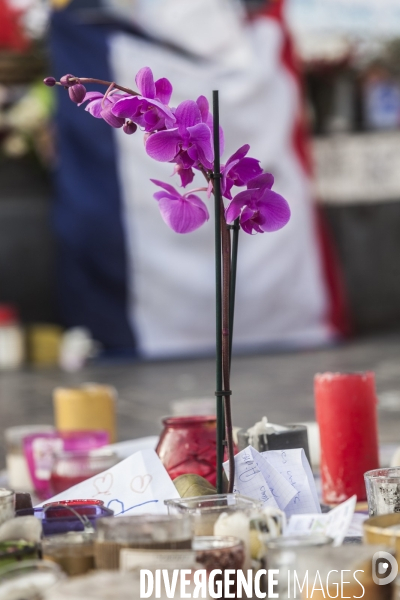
(372, 474)
(336, 375)
(188, 420)
(176, 502)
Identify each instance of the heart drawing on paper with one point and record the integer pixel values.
(140, 483)
(103, 484)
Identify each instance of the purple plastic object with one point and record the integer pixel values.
(40, 449)
(61, 519)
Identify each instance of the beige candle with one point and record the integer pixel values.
(89, 407)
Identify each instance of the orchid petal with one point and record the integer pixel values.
(239, 154)
(275, 211)
(95, 107)
(186, 175)
(200, 136)
(163, 89)
(240, 200)
(187, 114)
(91, 96)
(183, 215)
(111, 119)
(204, 107)
(266, 179)
(163, 145)
(166, 186)
(127, 108)
(145, 82)
(245, 170)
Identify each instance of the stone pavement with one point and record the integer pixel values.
(277, 385)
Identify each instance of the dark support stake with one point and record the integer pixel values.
(218, 297)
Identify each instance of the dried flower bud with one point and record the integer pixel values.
(77, 93)
(50, 81)
(65, 80)
(130, 127)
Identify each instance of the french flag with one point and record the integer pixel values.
(139, 287)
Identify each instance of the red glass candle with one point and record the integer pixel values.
(346, 414)
(188, 445)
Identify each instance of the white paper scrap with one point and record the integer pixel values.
(137, 485)
(334, 524)
(294, 467)
(255, 478)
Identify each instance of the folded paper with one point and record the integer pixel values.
(137, 485)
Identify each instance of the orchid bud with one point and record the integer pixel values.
(49, 81)
(65, 80)
(130, 127)
(77, 93)
(111, 119)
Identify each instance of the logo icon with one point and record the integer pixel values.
(384, 568)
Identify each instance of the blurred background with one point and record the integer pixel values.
(67, 276)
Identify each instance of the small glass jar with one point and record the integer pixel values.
(17, 467)
(205, 510)
(156, 536)
(71, 468)
(219, 552)
(188, 445)
(7, 505)
(73, 552)
(40, 449)
(29, 580)
(282, 554)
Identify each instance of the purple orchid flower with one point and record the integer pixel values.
(238, 170)
(100, 107)
(183, 214)
(149, 110)
(190, 143)
(260, 209)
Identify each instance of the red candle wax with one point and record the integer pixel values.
(346, 414)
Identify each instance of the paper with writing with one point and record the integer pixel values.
(255, 478)
(334, 524)
(139, 484)
(294, 467)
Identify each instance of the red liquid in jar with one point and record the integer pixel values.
(60, 483)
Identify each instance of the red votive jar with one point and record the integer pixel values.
(346, 414)
(188, 445)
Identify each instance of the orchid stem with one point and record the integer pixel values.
(222, 250)
(232, 292)
(102, 82)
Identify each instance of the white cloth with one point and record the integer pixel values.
(281, 293)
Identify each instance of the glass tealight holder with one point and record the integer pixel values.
(141, 540)
(205, 510)
(282, 554)
(71, 468)
(7, 505)
(73, 552)
(219, 552)
(385, 530)
(29, 580)
(383, 491)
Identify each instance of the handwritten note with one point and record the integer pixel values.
(139, 484)
(256, 478)
(334, 524)
(294, 467)
(279, 478)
